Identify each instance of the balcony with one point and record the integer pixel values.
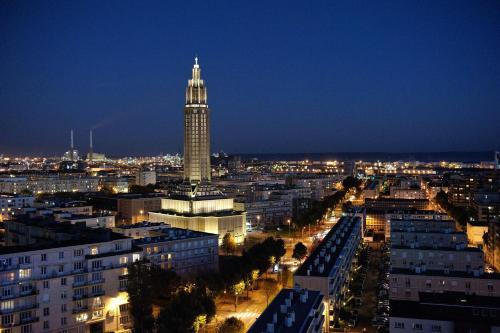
(89, 295)
(88, 283)
(19, 308)
(80, 309)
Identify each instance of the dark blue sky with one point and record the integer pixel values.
(305, 76)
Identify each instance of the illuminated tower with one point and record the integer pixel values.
(196, 130)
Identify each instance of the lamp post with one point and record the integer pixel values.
(258, 221)
(289, 229)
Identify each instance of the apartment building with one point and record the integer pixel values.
(49, 184)
(12, 204)
(292, 311)
(329, 266)
(75, 285)
(187, 252)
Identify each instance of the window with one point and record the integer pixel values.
(490, 287)
(25, 273)
(7, 320)
(94, 251)
(118, 246)
(63, 321)
(63, 281)
(26, 329)
(436, 328)
(7, 305)
(124, 320)
(78, 266)
(123, 260)
(25, 315)
(96, 276)
(63, 295)
(398, 324)
(46, 312)
(46, 325)
(64, 308)
(43, 257)
(96, 264)
(46, 284)
(124, 307)
(7, 291)
(24, 260)
(61, 255)
(78, 253)
(61, 268)
(417, 327)
(43, 270)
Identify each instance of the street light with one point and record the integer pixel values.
(289, 229)
(258, 221)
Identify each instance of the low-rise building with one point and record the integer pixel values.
(292, 311)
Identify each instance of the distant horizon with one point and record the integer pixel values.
(422, 156)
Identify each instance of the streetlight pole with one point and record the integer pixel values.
(289, 230)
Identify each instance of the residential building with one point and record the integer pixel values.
(145, 177)
(187, 252)
(72, 283)
(446, 313)
(329, 266)
(38, 184)
(12, 204)
(292, 311)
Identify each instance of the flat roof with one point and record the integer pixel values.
(302, 312)
(172, 234)
(326, 246)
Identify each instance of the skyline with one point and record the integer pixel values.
(323, 86)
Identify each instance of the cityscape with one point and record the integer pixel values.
(221, 224)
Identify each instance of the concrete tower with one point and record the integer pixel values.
(197, 167)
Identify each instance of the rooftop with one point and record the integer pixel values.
(172, 234)
(326, 253)
(289, 312)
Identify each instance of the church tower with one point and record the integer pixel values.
(197, 167)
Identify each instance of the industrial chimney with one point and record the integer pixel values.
(91, 149)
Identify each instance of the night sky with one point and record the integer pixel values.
(305, 76)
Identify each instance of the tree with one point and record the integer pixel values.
(186, 312)
(140, 296)
(141, 189)
(237, 289)
(299, 251)
(231, 325)
(228, 243)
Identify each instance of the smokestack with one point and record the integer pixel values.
(91, 149)
(72, 148)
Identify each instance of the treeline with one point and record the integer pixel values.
(319, 208)
(459, 213)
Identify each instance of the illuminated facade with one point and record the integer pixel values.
(77, 285)
(196, 204)
(196, 130)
